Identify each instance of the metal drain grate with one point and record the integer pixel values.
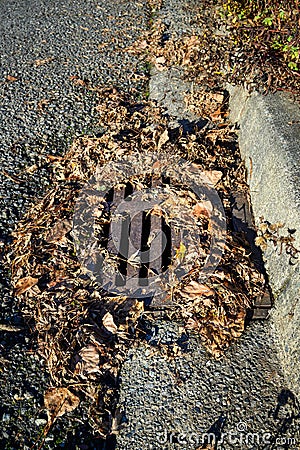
(243, 223)
(146, 244)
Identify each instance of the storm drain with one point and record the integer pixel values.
(144, 245)
(145, 241)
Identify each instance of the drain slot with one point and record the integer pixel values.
(243, 224)
(144, 247)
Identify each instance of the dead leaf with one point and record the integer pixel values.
(88, 365)
(216, 115)
(24, 284)
(6, 327)
(102, 46)
(218, 97)
(160, 63)
(213, 175)
(57, 279)
(157, 165)
(54, 158)
(207, 447)
(195, 289)
(41, 62)
(157, 211)
(59, 401)
(261, 242)
(203, 208)
(12, 177)
(192, 324)
(59, 231)
(163, 139)
(109, 324)
(160, 60)
(31, 169)
(11, 78)
(42, 104)
(143, 44)
(77, 81)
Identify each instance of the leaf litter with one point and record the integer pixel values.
(233, 44)
(84, 333)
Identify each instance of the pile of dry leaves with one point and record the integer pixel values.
(83, 332)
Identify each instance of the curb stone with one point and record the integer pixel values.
(269, 141)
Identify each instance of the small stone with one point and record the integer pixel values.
(40, 422)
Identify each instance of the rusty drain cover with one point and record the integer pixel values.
(243, 225)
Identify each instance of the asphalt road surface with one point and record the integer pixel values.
(45, 45)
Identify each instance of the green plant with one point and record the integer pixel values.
(289, 50)
(268, 21)
(272, 24)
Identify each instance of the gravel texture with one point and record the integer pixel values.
(172, 402)
(44, 109)
(43, 44)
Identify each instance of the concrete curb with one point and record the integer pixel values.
(269, 141)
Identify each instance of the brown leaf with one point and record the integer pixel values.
(54, 158)
(88, 365)
(143, 44)
(42, 104)
(157, 211)
(160, 60)
(213, 175)
(217, 97)
(59, 231)
(195, 289)
(7, 327)
(192, 324)
(41, 62)
(160, 63)
(216, 115)
(206, 447)
(11, 78)
(59, 401)
(203, 208)
(156, 165)
(24, 284)
(102, 46)
(77, 81)
(261, 242)
(163, 139)
(109, 324)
